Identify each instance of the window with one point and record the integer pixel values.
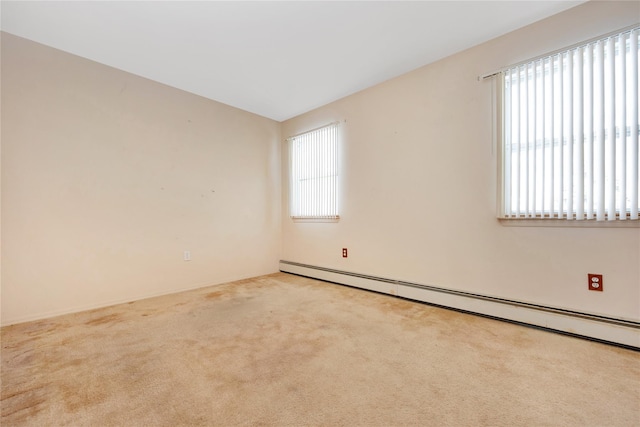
(314, 174)
(570, 133)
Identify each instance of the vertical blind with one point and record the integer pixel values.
(570, 133)
(314, 173)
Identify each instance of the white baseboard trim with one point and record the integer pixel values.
(601, 328)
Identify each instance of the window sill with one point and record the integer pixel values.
(553, 222)
(307, 219)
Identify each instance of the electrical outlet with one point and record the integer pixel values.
(344, 252)
(595, 282)
(187, 255)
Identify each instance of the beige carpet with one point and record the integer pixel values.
(283, 350)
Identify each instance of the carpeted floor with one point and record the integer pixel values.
(282, 350)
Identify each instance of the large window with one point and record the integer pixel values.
(570, 133)
(314, 174)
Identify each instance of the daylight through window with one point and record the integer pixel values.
(570, 133)
(314, 173)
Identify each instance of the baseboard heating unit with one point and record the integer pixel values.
(622, 332)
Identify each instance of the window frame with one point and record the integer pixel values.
(323, 204)
(499, 111)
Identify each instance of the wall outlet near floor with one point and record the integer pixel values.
(595, 282)
(344, 252)
(187, 255)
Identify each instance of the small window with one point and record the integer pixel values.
(570, 133)
(314, 174)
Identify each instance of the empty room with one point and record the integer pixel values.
(319, 213)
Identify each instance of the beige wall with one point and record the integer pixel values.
(107, 178)
(418, 174)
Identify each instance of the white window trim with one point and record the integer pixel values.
(539, 220)
(318, 208)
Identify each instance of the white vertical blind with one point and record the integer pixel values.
(632, 120)
(581, 142)
(314, 173)
(571, 133)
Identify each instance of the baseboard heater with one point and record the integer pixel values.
(621, 332)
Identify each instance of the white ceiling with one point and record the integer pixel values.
(275, 59)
